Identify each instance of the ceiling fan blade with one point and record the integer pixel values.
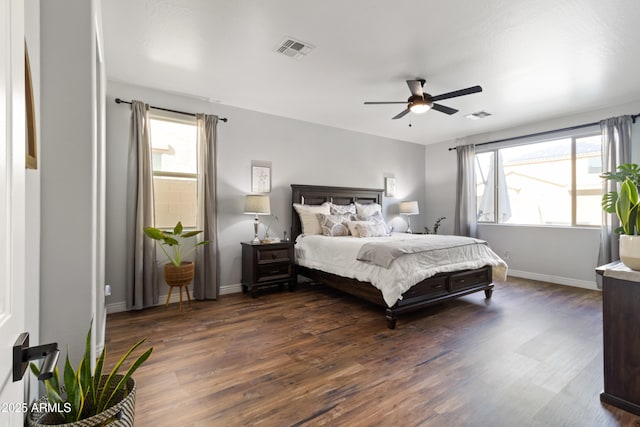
(461, 92)
(444, 109)
(400, 114)
(387, 102)
(415, 86)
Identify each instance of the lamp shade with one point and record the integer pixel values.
(409, 208)
(257, 204)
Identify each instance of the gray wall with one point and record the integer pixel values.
(557, 254)
(300, 153)
(68, 256)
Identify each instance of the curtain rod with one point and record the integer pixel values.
(121, 101)
(633, 118)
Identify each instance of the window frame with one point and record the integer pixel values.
(184, 119)
(574, 135)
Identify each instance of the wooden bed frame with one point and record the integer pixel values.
(433, 290)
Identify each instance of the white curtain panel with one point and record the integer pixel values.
(141, 284)
(207, 281)
(616, 150)
(465, 219)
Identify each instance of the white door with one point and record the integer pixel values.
(12, 205)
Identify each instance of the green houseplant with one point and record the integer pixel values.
(87, 398)
(625, 203)
(177, 272)
(174, 240)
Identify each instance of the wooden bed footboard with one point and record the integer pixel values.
(433, 290)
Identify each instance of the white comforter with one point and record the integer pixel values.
(337, 255)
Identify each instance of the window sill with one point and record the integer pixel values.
(563, 227)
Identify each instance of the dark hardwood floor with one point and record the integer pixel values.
(531, 356)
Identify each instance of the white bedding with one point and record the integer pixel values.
(337, 255)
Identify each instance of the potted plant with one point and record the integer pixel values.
(177, 272)
(86, 398)
(436, 225)
(625, 204)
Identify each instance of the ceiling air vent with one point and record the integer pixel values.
(478, 115)
(294, 48)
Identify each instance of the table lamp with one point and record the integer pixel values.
(256, 205)
(408, 209)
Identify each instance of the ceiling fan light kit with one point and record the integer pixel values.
(419, 106)
(420, 102)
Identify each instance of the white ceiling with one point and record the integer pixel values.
(535, 60)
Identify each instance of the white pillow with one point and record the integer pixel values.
(369, 209)
(309, 218)
(352, 225)
(372, 230)
(376, 218)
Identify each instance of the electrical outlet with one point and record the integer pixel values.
(506, 255)
(107, 290)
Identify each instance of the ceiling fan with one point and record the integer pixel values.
(420, 102)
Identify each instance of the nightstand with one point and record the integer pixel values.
(620, 318)
(267, 264)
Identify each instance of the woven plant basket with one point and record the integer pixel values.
(179, 276)
(119, 415)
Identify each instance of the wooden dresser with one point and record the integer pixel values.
(621, 336)
(267, 264)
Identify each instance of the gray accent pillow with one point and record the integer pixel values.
(349, 209)
(334, 225)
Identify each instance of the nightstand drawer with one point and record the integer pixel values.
(280, 254)
(273, 271)
(469, 279)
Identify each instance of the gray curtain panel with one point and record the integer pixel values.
(616, 150)
(141, 284)
(465, 218)
(207, 281)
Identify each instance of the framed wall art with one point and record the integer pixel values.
(390, 187)
(260, 179)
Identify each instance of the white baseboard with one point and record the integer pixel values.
(175, 297)
(230, 289)
(555, 279)
(237, 288)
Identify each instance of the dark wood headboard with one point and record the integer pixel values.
(318, 194)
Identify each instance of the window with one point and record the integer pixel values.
(552, 182)
(173, 147)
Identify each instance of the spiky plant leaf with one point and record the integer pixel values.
(121, 384)
(102, 400)
(627, 200)
(97, 375)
